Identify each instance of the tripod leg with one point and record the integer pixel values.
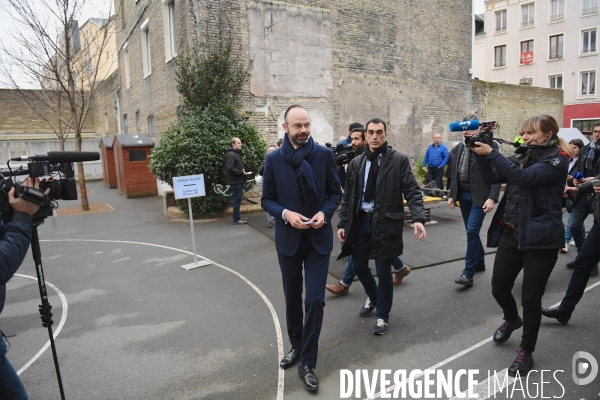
(45, 307)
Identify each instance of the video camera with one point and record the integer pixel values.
(54, 164)
(343, 155)
(485, 134)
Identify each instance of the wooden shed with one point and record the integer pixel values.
(132, 155)
(109, 172)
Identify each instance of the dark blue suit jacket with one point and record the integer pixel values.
(281, 191)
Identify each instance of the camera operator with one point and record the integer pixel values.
(15, 237)
(354, 127)
(527, 227)
(476, 199)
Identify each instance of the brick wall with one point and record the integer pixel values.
(16, 117)
(104, 105)
(404, 61)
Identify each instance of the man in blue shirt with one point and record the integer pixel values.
(436, 159)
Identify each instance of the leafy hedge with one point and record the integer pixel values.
(197, 144)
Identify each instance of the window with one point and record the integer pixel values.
(555, 82)
(527, 52)
(527, 15)
(146, 56)
(589, 7)
(588, 83)
(500, 56)
(126, 66)
(526, 81)
(138, 122)
(170, 21)
(557, 10)
(585, 126)
(588, 41)
(125, 126)
(151, 125)
(501, 21)
(556, 47)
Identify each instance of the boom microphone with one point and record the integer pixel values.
(461, 126)
(72, 156)
(62, 157)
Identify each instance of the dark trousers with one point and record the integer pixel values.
(537, 266)
(578, 216)
(11, 387)
(304, 328)
(587, 258)
(436, 174)
(380, 294)
(236, 190)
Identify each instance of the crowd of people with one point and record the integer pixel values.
(301, 191)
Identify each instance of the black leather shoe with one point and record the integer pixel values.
(522, 364)
(480, 267)
(464, 280)
(308, 377)
(562, 315)
(570, 265)
(503, 333)
(290, 358)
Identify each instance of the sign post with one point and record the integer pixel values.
(187, 187)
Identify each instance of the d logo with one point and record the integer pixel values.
(581, 367)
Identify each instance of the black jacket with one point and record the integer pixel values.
(587, 188)
(395, 179)
(542, 183)
(480, 190)
(14, 242)
(234, 166)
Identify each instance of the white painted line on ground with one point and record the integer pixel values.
(391, 388)
(63, 319)
(281, 374)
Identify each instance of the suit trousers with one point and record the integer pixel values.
(304, 328)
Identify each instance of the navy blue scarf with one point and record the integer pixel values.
(299, 159)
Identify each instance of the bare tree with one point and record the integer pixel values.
(52, 54)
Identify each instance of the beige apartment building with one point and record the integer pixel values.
(544, 43)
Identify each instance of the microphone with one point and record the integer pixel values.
(72, 156)
(461, 126)
(62, 157)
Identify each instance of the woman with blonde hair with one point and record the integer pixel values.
(527, 227)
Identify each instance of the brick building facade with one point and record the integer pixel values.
(404, 61)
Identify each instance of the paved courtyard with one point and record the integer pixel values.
(130, 323)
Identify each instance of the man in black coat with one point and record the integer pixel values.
(372, 217)
(476, 199)
(236, 177)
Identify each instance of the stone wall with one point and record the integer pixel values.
(404, 61)
(17, 117)
(104, 105)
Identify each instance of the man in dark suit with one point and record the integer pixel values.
(476, 199)
(302, 191)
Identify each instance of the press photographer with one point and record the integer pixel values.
(15, 238)
(25, 206)
(527, 227)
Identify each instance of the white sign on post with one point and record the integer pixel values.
(186, 187)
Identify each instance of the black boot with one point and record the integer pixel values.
(503, 333)
(563, 316)
(523, 363)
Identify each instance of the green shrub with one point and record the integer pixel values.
(197, 144)
(420, 175)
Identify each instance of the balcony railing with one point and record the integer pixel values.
(590, 10)
(556, 17)
(527, 22)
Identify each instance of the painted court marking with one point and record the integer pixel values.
(63, 319)
(462, 353)
(281, 375)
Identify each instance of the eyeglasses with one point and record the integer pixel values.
(596, 131)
